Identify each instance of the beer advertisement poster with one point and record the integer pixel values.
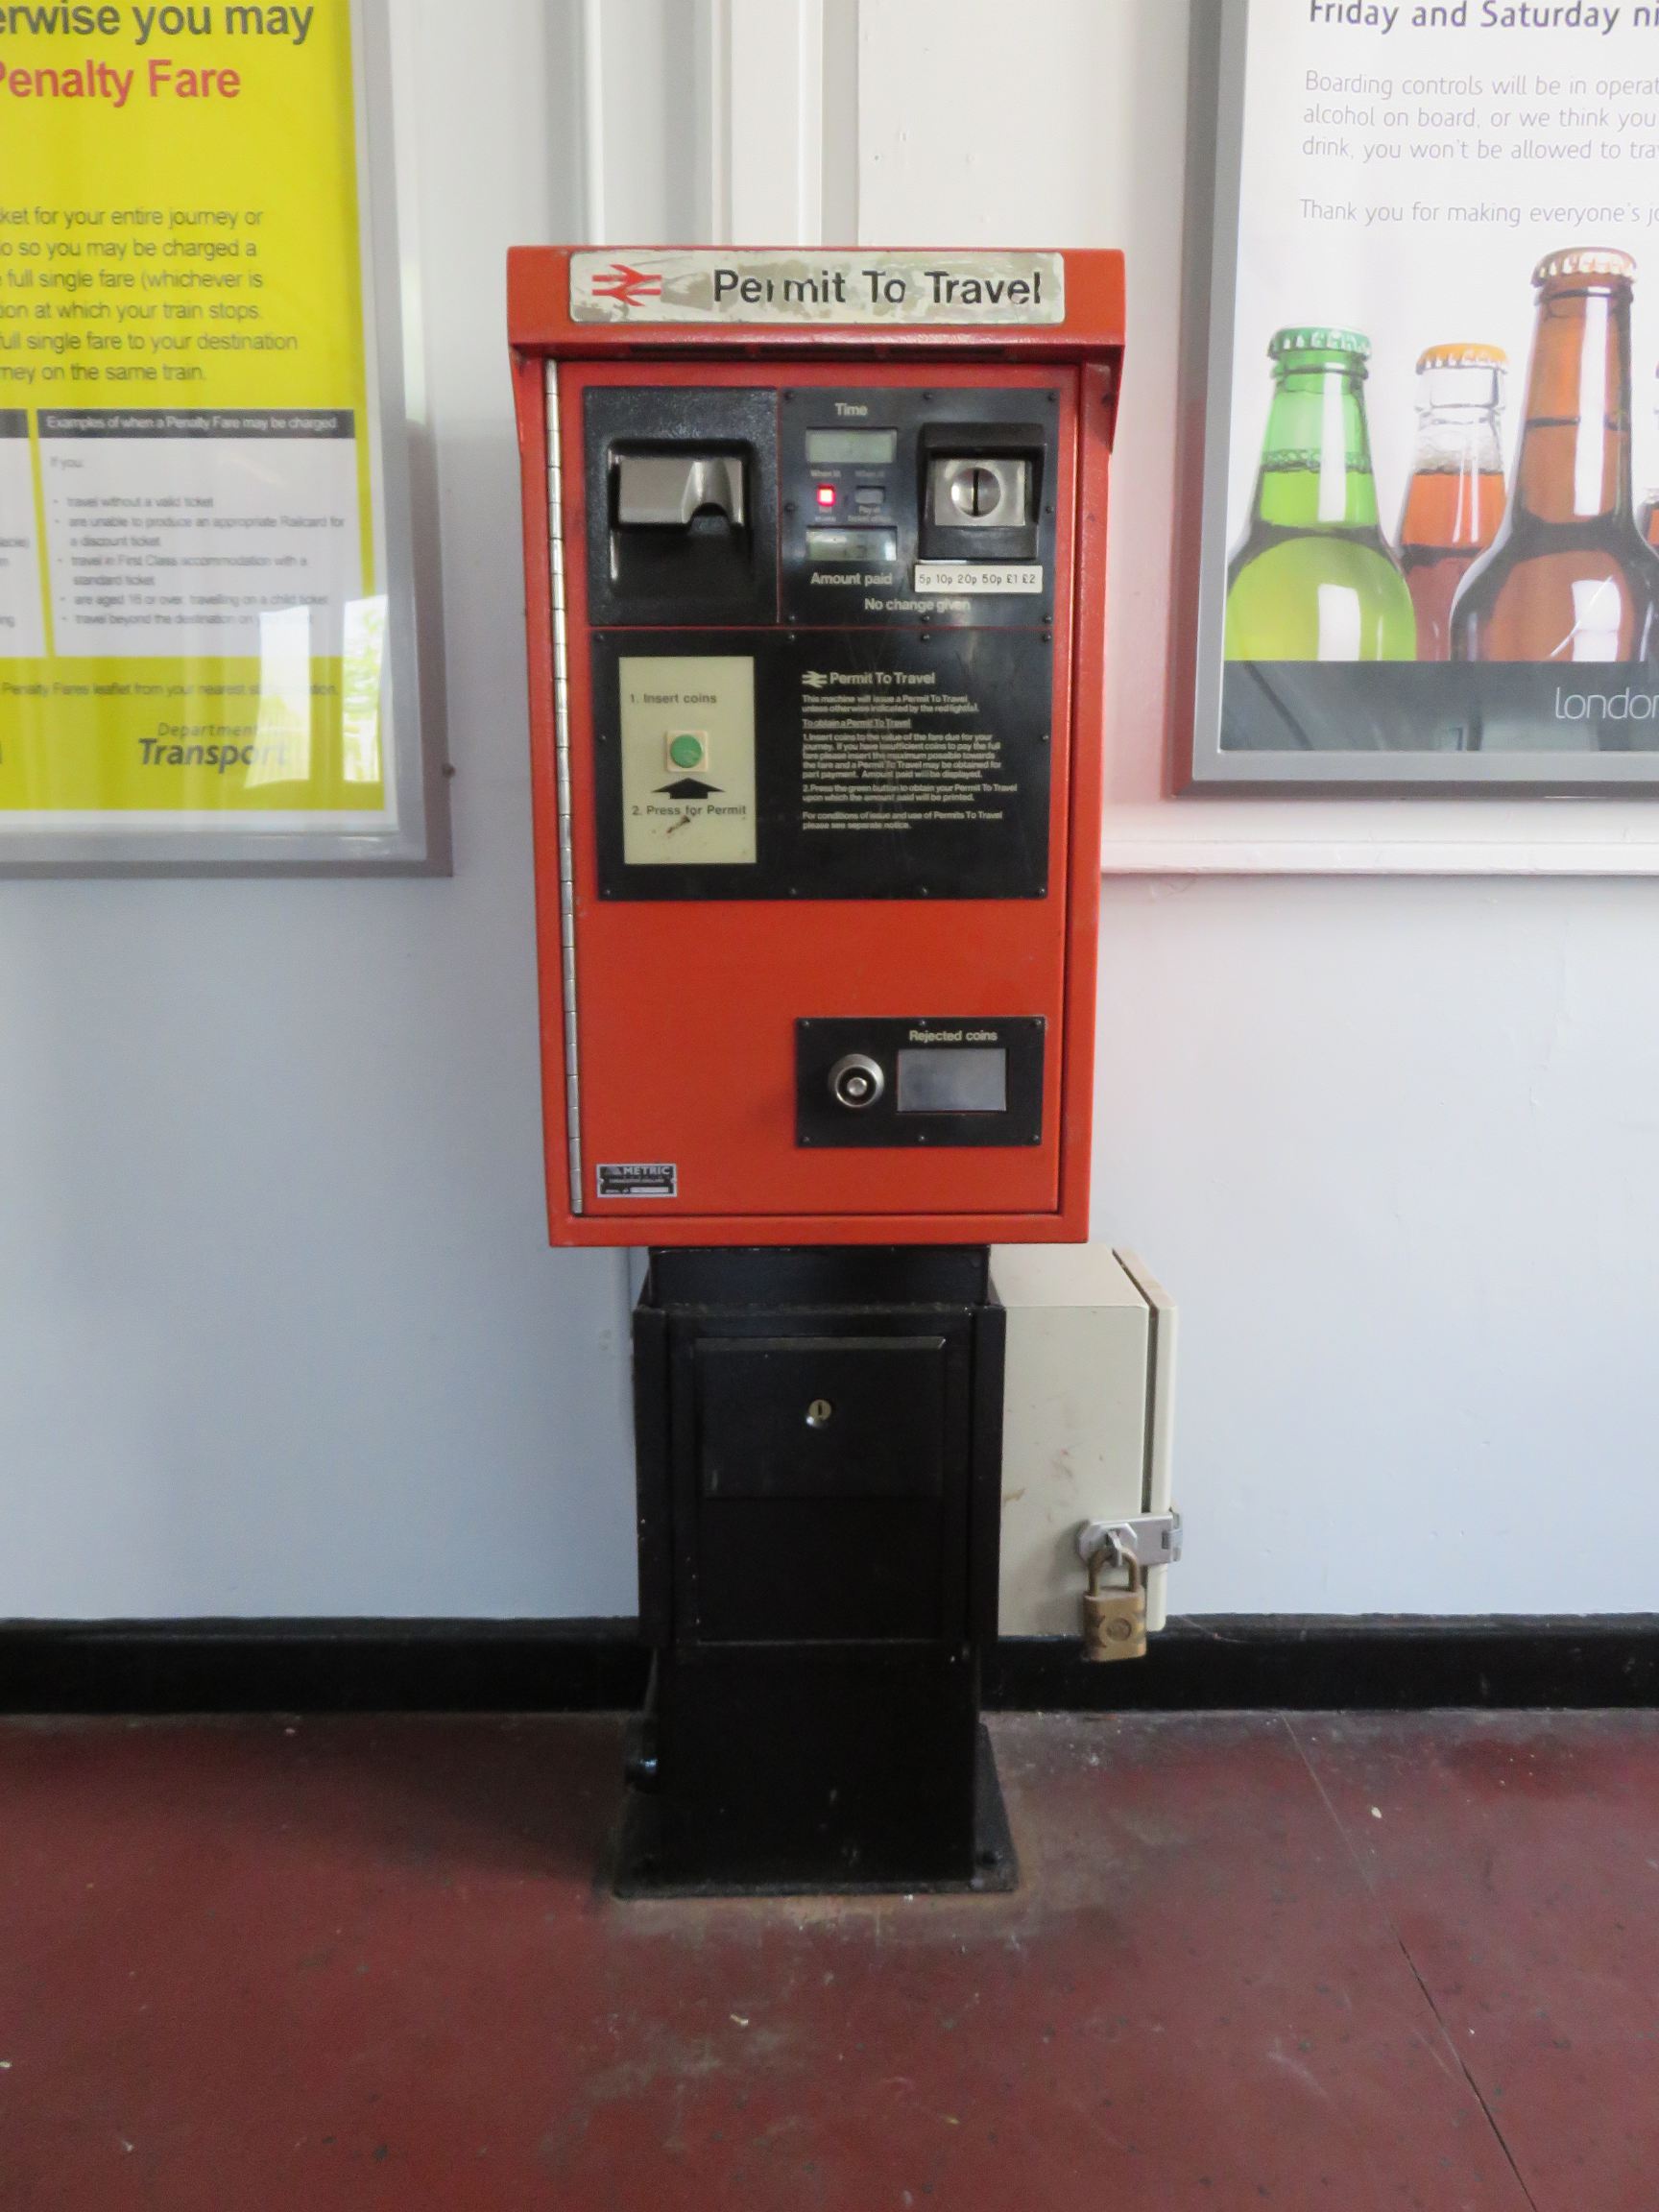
(193, 571)
(1431, 541)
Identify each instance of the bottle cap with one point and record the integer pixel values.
(1586, 261)
(1463, 357)
(1318, 338)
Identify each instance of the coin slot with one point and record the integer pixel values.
(981, 491)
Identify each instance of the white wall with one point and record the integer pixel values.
(279, 1332)
(1392, 1143)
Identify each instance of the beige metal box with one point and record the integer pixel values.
(1087, 1420)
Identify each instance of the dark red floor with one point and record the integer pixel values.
(1348, 1962)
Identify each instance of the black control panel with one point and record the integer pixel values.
(823, 655)
(886, 491)
(872, 765)
(878, 1083)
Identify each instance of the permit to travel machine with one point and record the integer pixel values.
(815, 558)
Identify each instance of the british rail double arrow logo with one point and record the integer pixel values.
(626, 286)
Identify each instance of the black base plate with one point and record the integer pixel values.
(637, 1871)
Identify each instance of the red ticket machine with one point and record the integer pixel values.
(816, 558)
(815, 547)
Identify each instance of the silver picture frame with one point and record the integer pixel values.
(412, 835)
(1201, 762)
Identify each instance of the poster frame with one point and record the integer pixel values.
(1215, 181)
(417, 840)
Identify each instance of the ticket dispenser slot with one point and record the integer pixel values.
(683, 499)
(680, 490)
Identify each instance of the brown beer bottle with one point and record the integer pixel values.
(1569, 578)
(1455, 502)
(1647, 520)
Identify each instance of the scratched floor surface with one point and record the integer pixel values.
(363, 1964)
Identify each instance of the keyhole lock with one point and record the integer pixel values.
(820, 1413)
(977, 491)
(856, 1082)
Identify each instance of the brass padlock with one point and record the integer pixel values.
(1114, 1620)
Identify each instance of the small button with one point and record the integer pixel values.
(870, 502)
(687, 749)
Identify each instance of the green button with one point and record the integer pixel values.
(686, 752)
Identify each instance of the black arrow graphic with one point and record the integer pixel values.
(688, 787)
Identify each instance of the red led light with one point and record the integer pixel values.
(825, 495)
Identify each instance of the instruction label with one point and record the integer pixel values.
(21, 630)
(887, 749)
(979, 578)
(172, 533)
(857, 763)
(638, 1179)
(688, 759)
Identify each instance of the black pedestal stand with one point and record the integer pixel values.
(819, 1440)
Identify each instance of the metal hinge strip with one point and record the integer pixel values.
(561, 760)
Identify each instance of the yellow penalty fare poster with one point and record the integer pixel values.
(191, 629)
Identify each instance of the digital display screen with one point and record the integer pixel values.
(937, 1079)
(837, 449)
(852, 548)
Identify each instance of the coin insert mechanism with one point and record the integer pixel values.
(974, 494)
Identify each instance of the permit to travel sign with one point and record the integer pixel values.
(859, 289)
(193, 605)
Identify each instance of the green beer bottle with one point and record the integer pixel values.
(1314, 578)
